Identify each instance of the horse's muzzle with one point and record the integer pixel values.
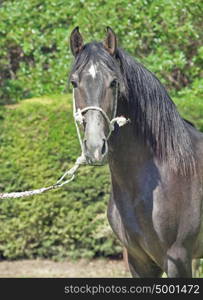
(96, 153)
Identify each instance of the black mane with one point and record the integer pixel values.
(156, 117)
(151, 109)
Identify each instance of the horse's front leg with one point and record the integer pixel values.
(141, 265)
(178, 262)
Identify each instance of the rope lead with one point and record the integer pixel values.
(78, 118)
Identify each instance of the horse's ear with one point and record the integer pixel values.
(76, 41)
(110, 42)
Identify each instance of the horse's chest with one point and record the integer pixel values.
(132, 224)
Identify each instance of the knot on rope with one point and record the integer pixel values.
(121, 121)
(81, 160)
(78, 116)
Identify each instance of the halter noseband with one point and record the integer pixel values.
(80, 118)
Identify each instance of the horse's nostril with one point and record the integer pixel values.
(85, 144)
(104, 148)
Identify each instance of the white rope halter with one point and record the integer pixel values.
(78, 116)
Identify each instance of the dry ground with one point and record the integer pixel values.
(66, 269)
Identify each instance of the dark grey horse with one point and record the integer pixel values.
(156, 160)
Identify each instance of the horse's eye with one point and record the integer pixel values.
(113, 83)
(74, 83)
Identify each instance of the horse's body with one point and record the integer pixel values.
(156, 161)
(156, 214)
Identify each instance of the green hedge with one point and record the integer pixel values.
(190, 103)
(34, 52)
(37, 136)
(38, 143)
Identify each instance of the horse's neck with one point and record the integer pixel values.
(127, 151)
